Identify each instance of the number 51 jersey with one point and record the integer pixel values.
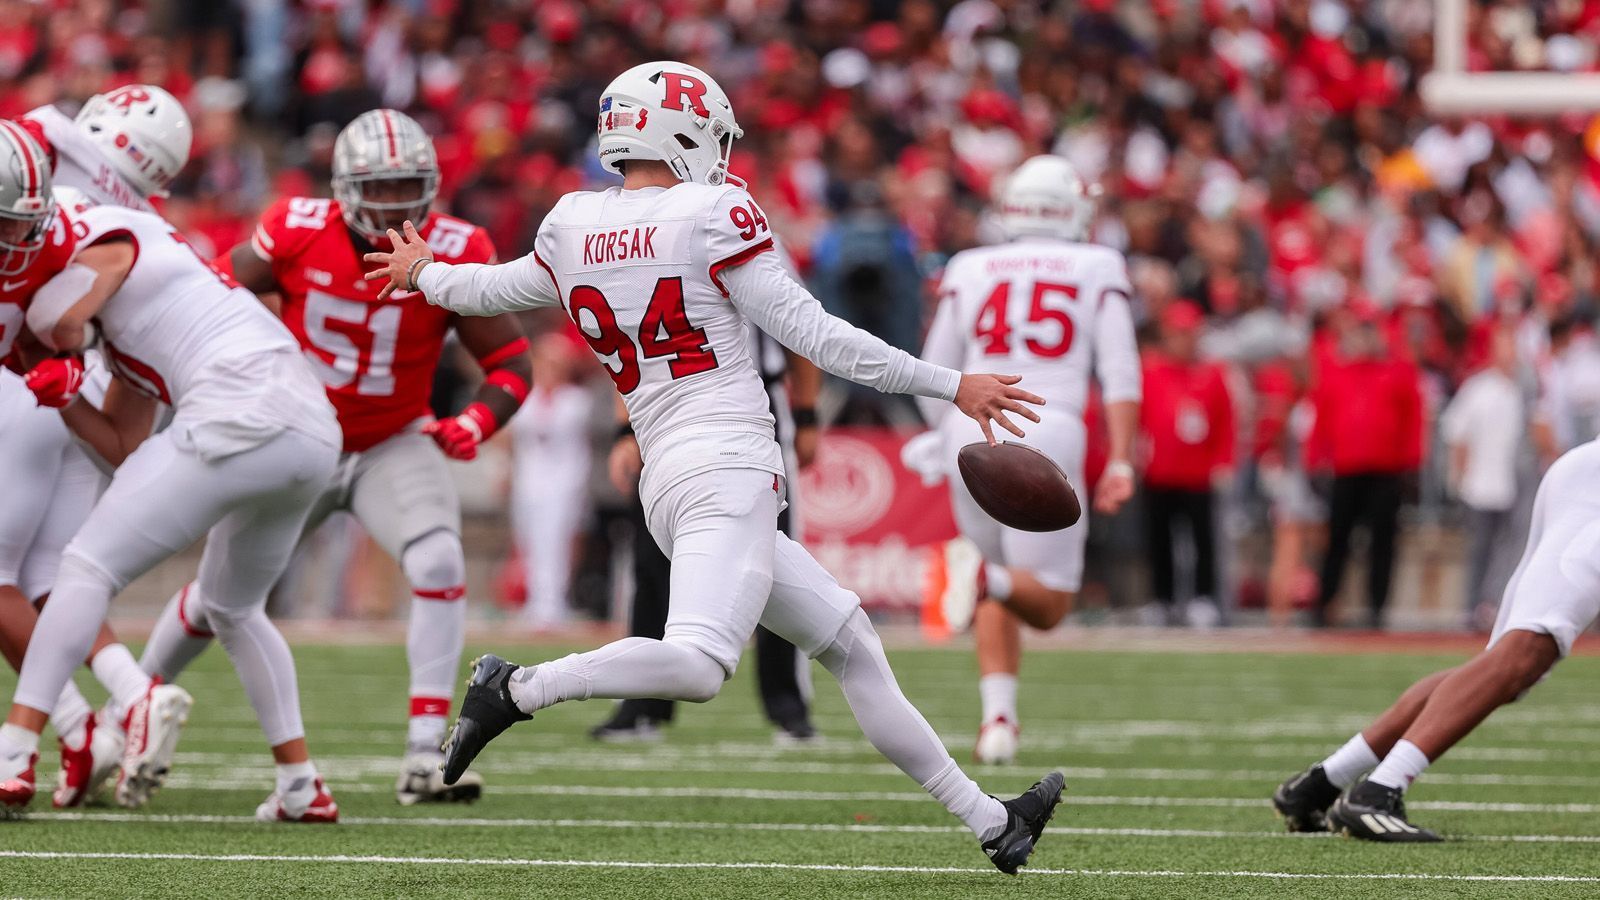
(376, 359)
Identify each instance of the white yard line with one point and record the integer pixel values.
(667, 825)
(191, 782)
(689, 759)
(777, 866)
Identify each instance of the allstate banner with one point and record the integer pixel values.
(868, 519)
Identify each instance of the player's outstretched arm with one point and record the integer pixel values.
(783, 308)
(468, 289)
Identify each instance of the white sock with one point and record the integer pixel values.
(435, 636)
(115, 668)
(998, 692)
(15, 740)
(998, 580)
(425, 728)
(629, 669)
(70, 715)
(961, 795)
(1401, 767)
(296, 778)
(1347, 763)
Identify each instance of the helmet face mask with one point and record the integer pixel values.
(385, 173)
(27, 204)
(672, 113)
(21, 239)
(144, 132)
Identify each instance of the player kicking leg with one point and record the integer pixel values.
(1054, 308)
(1552, 597)
(660, 277)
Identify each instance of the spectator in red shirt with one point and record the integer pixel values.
(1368, 433)
(1187, 427)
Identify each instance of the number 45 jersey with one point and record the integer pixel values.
(376, 359)
(1053, 311)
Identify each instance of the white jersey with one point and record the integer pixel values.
(81, 165)
(660, 282)
(179, 331)
(1054, 312)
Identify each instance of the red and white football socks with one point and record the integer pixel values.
(1401, 767)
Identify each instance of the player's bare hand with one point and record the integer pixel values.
(990, 397)
(624, 464)
(806, 439)
(1115, 488)
(402, 264)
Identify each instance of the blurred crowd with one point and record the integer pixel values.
(1355, 315)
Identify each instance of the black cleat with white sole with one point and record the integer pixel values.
(1302, 801)
(1026, 817)
(1376, 812)
(487, 711)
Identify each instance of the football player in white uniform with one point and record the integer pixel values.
(54, 482)
(660, 276)
(1553, 596)
(1053, 309)
(252, 443)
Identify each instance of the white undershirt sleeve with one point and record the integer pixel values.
(781, 307)
(943, 347)
(479, 289)
(1116, 350)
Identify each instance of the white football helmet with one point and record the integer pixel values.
(383, 145)
(1045, 197)
(144, 132)
(26, 203)
(671, 112)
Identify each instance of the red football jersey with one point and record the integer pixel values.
(376, 359)
(17, 290)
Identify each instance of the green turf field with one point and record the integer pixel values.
(1169, 760)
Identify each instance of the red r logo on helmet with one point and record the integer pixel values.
(127, 97)
(682, 88)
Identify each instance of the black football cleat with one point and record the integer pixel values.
(1302, 801)
(1026, 817)
(487, 711)
(1376, 812)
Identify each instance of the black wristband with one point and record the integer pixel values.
(624, 430)
(804, 416)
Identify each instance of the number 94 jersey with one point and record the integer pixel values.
(376, 359)
(640, 274)
(1052, 311)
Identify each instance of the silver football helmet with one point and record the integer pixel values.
(384, 172)
(26, 201)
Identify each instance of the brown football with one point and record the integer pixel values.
(1018, 486)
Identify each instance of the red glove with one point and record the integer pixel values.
(459, 436)
(56, 382)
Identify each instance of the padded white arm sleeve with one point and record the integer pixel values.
(55, 298)
(477, 289)
(781, 307)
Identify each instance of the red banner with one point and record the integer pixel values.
(868, 519)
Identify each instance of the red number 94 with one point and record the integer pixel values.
(749, 221)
